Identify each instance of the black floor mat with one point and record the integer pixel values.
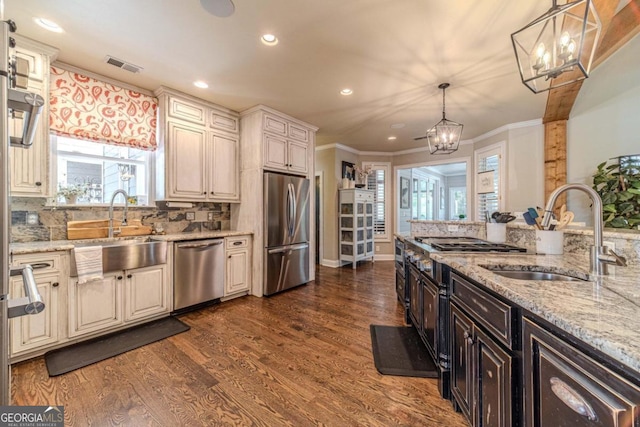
(398, 350)
(79, 355)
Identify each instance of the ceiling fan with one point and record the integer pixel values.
(219, 8)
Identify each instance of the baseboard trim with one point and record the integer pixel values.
(384, 257)
(333, 263)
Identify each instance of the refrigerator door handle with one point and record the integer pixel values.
(294, 214)
(288, 248)
(290, 209)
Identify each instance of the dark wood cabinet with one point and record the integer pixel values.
(563, 386)
(430, 316)
(415, 300)
(483, 384)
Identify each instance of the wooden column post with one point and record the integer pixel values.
(555, 158)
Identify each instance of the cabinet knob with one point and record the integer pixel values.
(129, 276)
(119, 277)
(38, 184)
(55, 284)
(468, 338)
(229, 257)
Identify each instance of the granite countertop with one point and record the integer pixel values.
(602, 312)
(67, 245)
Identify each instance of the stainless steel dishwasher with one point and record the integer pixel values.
(198, 275)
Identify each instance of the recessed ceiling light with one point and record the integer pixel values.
(346, 91)
(391, 138)
(397, 126)
(200, 84)
(269, 39)
(48, 25)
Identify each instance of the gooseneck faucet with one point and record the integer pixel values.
(124, 216)
(600, 256)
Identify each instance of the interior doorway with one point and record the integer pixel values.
(318, 216)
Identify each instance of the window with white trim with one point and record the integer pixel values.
(489, 165)
(96, 170)
(379, 181)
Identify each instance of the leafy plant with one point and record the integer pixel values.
(618, 185)
(71, 190)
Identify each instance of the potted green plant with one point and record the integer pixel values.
(71, 193)
(618, 184)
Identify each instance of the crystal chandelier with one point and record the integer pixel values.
(444, 137)
(561, 40)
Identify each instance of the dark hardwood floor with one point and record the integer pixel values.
(298, 358)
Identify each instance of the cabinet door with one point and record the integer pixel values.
(34, 331)
(415, 305)
(29, 165)
(565, 386)
(298, 157)
(95, 306)
(185, 110)
(430, 300)
(146, 292)
(493, 383)
(223, 168)
(461, 360)
(275, 152)
(186, 176)
(237, 272)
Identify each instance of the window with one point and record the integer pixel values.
(100, 169)
(378, 182)
(490, 159)
(458, 202)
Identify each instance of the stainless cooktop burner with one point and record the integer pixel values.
(467, 244)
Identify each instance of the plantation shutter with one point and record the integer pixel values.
(488, 167)
(376, 181)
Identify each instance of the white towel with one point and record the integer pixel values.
(88, 263)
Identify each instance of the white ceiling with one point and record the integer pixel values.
(392, 53)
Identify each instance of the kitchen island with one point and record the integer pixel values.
(543, 352)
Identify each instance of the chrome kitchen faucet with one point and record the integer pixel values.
(124, 216)
(600, 256)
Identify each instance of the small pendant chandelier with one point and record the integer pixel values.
(561, 40)
(444, 137)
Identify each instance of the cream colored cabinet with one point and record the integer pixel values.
(122, 297)
(34, 332)
(96, 305)
(286, 145)
(238, 265)
(224, 182)
(147, 292)
(30, 166)
(186, 161)
(198, 150)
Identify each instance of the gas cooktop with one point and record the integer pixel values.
(466, 244)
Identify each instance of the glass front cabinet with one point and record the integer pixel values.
(356, 226)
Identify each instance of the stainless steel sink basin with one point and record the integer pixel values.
(535, 272)
(126, 254)
(535, 275)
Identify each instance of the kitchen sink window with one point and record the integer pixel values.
(102, 133)
(97, 170)
(377, 181)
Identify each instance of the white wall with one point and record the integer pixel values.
(604, 122)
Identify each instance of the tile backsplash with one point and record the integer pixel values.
(33, 221)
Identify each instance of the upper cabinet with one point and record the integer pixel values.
(198, 150)
(30, 166)
(287, 143)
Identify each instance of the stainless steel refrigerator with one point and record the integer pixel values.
(13, 73)
(286, 232)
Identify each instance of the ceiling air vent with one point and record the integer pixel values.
(122, 64)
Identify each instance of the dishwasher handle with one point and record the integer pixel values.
(196, 245)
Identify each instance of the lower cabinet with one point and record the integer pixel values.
(33, 332)
(565, 386)
(482, 369)
(121, 297)
(237, 266)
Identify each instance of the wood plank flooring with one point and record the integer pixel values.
(299, 358)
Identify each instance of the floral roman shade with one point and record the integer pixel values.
(85, 108)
